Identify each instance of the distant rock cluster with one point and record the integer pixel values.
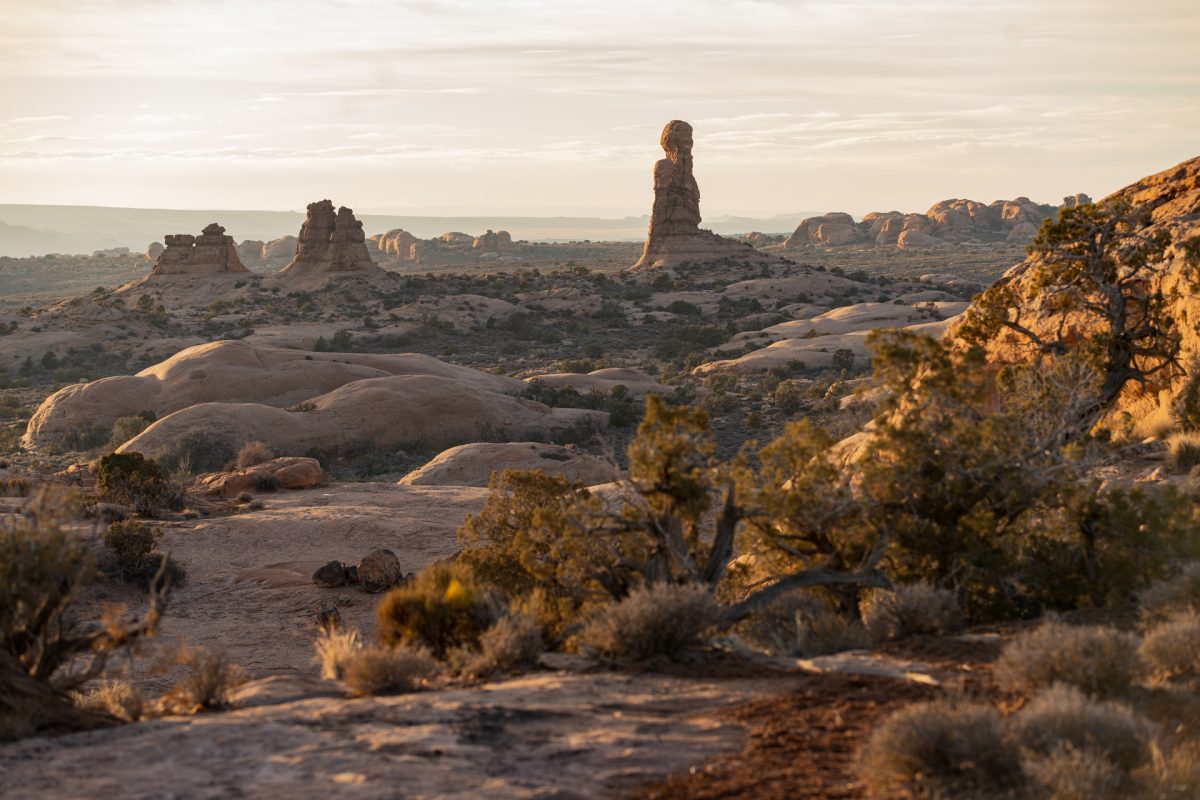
(401, 245)
(212, 252)
(330, 242)
(950, 221)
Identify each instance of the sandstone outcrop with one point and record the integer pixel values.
(278, 473)
(473, 464)
(210, 253)
(251, 251)
(399, 244)
(948, 221)
(675, 235)
(330, 243)
(398, 412)
(604, 381)
(153, 251)
(279, 251)
(493, 242)
(233, 372)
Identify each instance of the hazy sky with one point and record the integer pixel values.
(480, 106)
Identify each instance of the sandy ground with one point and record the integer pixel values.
(249, 588)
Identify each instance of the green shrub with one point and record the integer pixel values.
(1101, 661)
(940, 751)
(199, 452)
(1180, 592)
(133, 480)
(133, 543)
(663, 620)
(803, 625)
(1183, 450)
(125, 428)
(443, 609)
(253, 453)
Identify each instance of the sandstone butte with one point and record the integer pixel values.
(330, 243)
(210, 253)
(675, 235)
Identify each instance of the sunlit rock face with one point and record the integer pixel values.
(330, 242)
(212, 252)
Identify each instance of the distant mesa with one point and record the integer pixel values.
(330, 243)
(210, 253)
(947, 222)
(675, 235)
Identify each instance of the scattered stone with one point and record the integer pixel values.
(330, 576)
(379, 570)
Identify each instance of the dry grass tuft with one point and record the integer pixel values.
(335, 649)
(1101, 661)
(1175, 775)
(663, 620)
(208, 679)
(119, 699)
(940, 750)
(1070, 774)
(1171, 650)
(1183, 450)
(911, 609)
(252, 454)
(510, 646)
(800, 625)
(1162, 599)
(1064, 717)
(378, 669)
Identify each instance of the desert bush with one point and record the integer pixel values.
(377, 669)
(47, 648)
(131, 479)
(802, 625)
(1171, 650)
(940, 751)
(512, 645)
(1063, 717)
(660, 620)
(1174, 775)
(443, 609)
(253, 453)
(1070, 774)
(1180, 592)
(209, 677)
(1101, 661)
(119, 699)
(133, 543)
(198, 452)
(910, 609)
(267, 482)
(125, 428)
(1183, 450)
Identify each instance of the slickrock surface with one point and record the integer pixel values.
(605, 380)
(212, 252)
(233, 372)
(675, 235)
(330, 243)
(473, 464)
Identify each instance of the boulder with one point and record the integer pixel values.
(915, 240)
(251, 251)
(379, 570)
(278, 473)
(330, 576)
(834, 228)
(473, 464)
(280, 251)
(210, 253)
(153, 251)
(493, 242)
(398, 244)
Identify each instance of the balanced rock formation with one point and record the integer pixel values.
(675, 235)
(233, 372)
(330, 243)
(210, 253)
(473, 464)
(153, 251)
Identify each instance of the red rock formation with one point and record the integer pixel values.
(493, 242)
(675, 235)
(210, 253)
(330, 243)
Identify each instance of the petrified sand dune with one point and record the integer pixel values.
(604, 381)
(233, 372)
(396, 411)
(473, 464)
(857, 317)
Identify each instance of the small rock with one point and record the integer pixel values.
(352, 573)
(379, 570)
(330, 576)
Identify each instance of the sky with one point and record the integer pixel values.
(555, 107)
